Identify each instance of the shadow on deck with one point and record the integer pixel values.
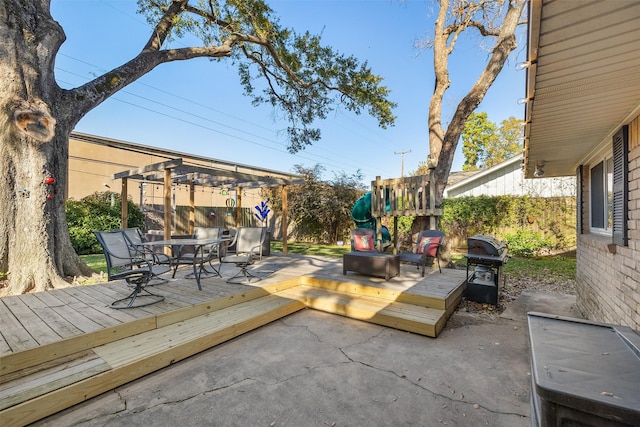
(62, 347)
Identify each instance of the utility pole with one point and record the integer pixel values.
(403, 152)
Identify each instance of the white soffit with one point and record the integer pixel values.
(584, 79)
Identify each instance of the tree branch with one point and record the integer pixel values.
(209, 16)
(93, 93)
(165, 25)
(443, 144)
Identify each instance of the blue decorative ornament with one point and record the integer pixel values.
(262, 210)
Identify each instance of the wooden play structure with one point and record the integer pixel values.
(407, 196)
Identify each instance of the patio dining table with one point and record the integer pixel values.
(200, 255)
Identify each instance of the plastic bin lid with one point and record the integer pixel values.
(587, 366)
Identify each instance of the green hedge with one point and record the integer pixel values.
(530, 225)
(100, 211)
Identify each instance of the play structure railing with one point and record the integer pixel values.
(414, 195)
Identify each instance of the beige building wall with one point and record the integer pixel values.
(94, 160)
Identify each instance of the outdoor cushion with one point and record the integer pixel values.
(428, 245)
(363, 243)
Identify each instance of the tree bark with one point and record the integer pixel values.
(33, 153)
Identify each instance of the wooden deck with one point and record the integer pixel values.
(61, 347)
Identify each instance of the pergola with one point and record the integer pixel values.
(177, 172)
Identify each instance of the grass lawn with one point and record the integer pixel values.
(560, 266)
(96, 262)
(312, 249)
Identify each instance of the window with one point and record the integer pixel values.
(601, 196)
(609, 191)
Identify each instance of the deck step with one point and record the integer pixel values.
(438, 294)
(407, 317)
(30, 395)
(31, 383)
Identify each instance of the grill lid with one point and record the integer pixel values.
(481, 244)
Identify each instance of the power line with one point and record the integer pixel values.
(333, 162)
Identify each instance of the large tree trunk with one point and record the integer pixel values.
(442, 144)
(33, 153)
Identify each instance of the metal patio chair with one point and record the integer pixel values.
(248, 247)
(136, 239)
(188, 254)
(125, 262)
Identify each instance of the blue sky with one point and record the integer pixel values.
(197, 106)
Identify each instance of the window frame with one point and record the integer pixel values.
(604, 200)
(615, 190)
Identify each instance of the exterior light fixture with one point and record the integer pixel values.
(539, 172)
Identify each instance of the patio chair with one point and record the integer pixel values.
(125, 262)
(428, 246)
(136, 239)
(248, 246)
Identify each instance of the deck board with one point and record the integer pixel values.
(114, 290)
(34, 325)
(15, 335)
(136, 348)
(4, 347)
(32, 385)
(413, 318)
(85, 309)
(91, 297)
(90, 309)
(70, 313)
(56, 322)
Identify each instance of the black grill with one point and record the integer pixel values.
(485, 258)
(485, 245)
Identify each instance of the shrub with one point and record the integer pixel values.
(99, 211)
(499, 216)
(526, 243)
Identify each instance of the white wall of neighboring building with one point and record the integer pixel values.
(507, 178)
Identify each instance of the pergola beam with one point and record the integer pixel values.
(138, 173)
(167, 204)
(183, 174)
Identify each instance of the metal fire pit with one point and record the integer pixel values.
(485, 258)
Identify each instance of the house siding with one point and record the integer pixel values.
(607, 275)
(507, 178)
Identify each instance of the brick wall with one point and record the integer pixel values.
(608, 276)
